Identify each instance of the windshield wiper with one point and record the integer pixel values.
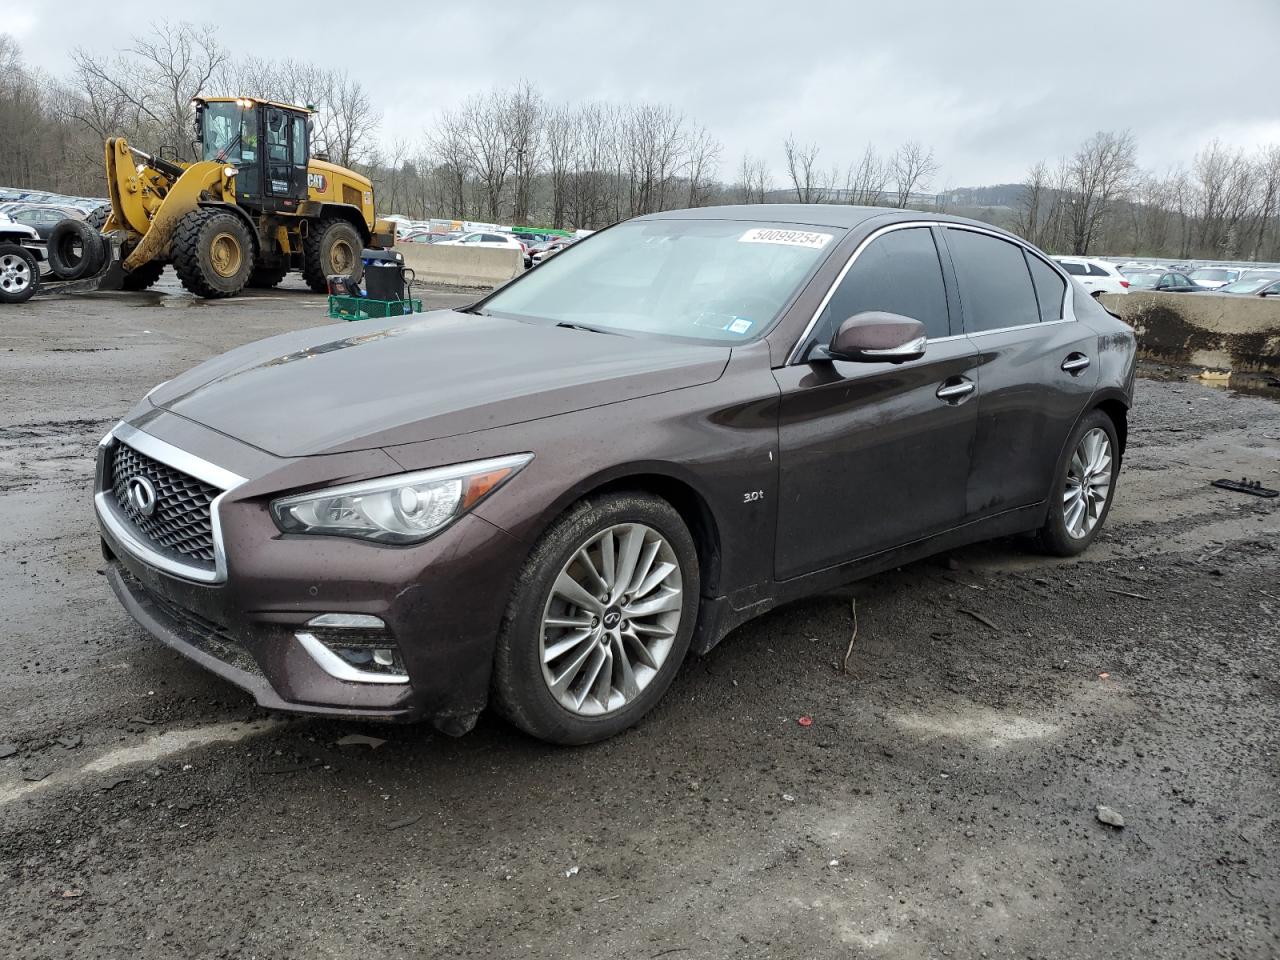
(582, 326)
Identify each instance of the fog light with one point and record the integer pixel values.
(355, 647)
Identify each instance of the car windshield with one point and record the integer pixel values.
(1223, 276)
(1250, 285)
(720, 281)
(1144, 279)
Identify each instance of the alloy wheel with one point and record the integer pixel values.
(611, 619)
(1088, 486)
(15, 274)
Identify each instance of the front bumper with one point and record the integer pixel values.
(441, 601)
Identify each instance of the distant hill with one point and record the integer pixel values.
(997, 196)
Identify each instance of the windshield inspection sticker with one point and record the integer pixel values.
(790, 238)
(739, 325)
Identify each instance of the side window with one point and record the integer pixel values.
(898, 272)
(299, 141)
(995, 285)
(1075, 269)
(1096, 271)
(1051, 289)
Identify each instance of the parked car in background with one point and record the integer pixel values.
(1269, 273)
(550, 248)
(1213, 277)
(543, 501)
(1263, 286)
(1096, 276)
(42, 217)
(21, 252)
(425, 237)
(486, 239)
(1166, 282)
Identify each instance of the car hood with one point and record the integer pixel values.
(405, 380)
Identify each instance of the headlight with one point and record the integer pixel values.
(407, 508)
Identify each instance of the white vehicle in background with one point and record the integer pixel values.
(485, 239)
(1214, 277)
(1096, 276)
(20, 254)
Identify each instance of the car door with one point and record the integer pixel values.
(1035, 367)
(874, 455)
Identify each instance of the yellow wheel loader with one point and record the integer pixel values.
(254, 207)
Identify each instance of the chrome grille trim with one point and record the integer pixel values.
(129, 536)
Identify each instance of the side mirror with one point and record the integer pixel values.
(876, 337)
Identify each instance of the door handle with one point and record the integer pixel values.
(956, 389)
(1075, 363)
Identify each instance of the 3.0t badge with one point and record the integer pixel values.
(142, 495)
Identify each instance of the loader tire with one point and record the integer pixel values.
(212, 253)
(264, 278)
(143, 277)
(76, 250)
(332, 246)
(97, 217)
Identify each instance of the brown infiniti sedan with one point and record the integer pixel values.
(546, 500)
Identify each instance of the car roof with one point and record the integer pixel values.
(813, 214)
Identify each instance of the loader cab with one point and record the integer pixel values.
(268, 144)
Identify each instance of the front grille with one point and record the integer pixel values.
(212, 638)
(181, 523)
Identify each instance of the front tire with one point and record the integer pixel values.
(1084, 487)
(332, 247)
(212, 253)
(143, 277)
(19, 274)
(600, 620)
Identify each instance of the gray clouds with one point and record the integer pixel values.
(992, 86)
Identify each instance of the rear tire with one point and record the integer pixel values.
(19, 274)
(1084, 487)
(76, 250)
(212, 253)
(575, 665)
(143, 277)
(265, 278)
(332, 247)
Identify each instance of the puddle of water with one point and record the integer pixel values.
(1237, 381)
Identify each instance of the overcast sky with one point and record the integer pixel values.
(991, 85)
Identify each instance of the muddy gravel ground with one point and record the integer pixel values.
(942, 803)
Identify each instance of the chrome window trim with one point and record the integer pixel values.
(793, 356)
(1068, 309)
(109, 514)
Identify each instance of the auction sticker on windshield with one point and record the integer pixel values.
(790, 238)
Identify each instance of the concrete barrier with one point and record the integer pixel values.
(462, 266)
(1214, 330)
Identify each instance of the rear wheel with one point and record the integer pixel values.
(19, 274)
(143, 277)
(1082, 496)
(332, 247)
(600, 620)
(265, 278)
(212, 253)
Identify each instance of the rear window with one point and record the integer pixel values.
(1075, 269)
(1051, 289)
(1097, 271)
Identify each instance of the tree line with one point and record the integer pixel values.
(511, 155)
(1098, 200)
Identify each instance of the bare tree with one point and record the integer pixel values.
(524, 118)
(913, 169)
(1036, 205)
(866, 180)
(1097, 176)
(563, 144)
(802, 169)
(702, 166)
(753, 180)
(150, 84)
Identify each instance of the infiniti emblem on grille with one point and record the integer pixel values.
(142, 495)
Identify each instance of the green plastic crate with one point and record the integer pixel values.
(362, 308)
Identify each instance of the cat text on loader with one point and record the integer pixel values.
(254, 207)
